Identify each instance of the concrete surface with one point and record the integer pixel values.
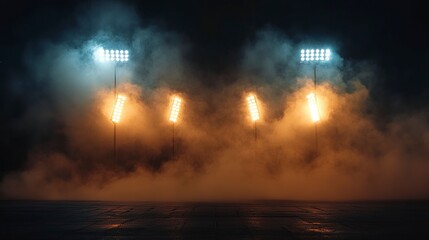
(246, 220)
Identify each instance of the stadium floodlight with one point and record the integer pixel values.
(112, 55)
(120, 100)
(315, 55)
(314, 111)
(253, 107)
(175, 109)
(174, 114)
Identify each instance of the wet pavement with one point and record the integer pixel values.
(246, 220)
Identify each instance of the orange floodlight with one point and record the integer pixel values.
(120, 100)
(175, 108)
(253, 107)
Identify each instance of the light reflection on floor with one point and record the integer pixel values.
(247, 220)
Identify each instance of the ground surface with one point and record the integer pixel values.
(247, 220)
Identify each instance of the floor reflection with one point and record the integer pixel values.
(254, 220)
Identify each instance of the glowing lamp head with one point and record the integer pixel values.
(314, 111)
(315, 55)
(120, 100)
(253, 107)
(175, 109)
(103, 55)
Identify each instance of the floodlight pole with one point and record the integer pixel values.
(114, 142)
(114, 83)
(315, 98)
(256, 136)
(114, 124)
(315, 79)
(173, 143)
(256, 142)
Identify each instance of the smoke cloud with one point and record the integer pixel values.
(346, 156)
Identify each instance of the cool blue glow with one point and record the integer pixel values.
(316, 55)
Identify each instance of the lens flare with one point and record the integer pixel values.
(120, 100)
(175, 109)
(253, 107)
(313, 107)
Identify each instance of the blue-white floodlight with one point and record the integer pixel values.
(103, 55)
(315, 55)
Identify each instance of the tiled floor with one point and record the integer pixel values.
(247, 220)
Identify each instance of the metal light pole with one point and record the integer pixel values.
(315, 56)
(315, 104)
(174, 114)
(114, 123)
(115, 56)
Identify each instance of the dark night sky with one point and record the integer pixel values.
(391, 34)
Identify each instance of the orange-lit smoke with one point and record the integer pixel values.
(356, 160)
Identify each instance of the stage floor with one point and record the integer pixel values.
(240, 220)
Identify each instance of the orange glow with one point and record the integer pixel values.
(313, 107)
(175, 109)
(118, 108)
(253, 107)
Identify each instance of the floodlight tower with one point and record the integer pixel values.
(174, 114)
(115, 56)
(315, 57)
